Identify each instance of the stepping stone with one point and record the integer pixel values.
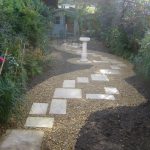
(68, 93)
(69, 84)
(22, 140)
(99, 77)
(41, 122)
(91, 53)
(58, 106)
(105, 58)
(39, 108)
(111, 90)
(100, 97)
(115, 67)
(102, 61)
(122, 65)
(109, 71)
(82, 80)
(115, 61)
(75, 45)
(79, 53)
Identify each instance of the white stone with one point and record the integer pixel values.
(78, 52)
(99, 77)
(115, 67)
(22, 140)
(67, 93)
(111, 90)
(82, 80)
(100, 97)
(41, 122)
(91, 54)
(69, 84)
(101, 61)
(39, 108)
(96, 55)
(58, 106)
(109, 71)
(122, 65)
(115, 61)
(105, 58)
(75, 45)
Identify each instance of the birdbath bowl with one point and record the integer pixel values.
(84, 41)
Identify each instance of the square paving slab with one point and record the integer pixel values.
(82, 80)
(58, 106)
(109, 71)
(104, 58)
(115, 67)
(111, 90)
(69, 84)
(100, 97)
(68, 93)
(39, 108)
(100, 61)
(22, 140)
(99, 77)
(122, 65)
(115, 61)
(41, 122)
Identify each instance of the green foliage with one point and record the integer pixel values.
(32, 66)
(122, 25)
(28, 19)
(142, 60)
(9, 93)
(24, 27)
(117, 40)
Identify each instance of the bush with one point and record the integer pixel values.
(117, 40)
(32, 63)
(142, 60)
(24, 27)
(123, 25)
(9, 93)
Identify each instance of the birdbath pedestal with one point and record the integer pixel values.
(84, 41)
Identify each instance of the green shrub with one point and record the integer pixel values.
(32, 67)
(117, 40)
(33, 62)
(9, 93)
(24, 27)
(142, 60)
(123, 25)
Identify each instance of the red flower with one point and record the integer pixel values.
(2, 59)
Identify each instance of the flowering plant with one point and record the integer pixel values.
(2, 59)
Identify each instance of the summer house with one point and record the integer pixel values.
(65, 21)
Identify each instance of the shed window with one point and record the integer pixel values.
(57, 20)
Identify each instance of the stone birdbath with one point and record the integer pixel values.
(84, 41)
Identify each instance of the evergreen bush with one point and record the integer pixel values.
(142, 60)
(24, 27)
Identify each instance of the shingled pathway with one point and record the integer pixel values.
(62, 102)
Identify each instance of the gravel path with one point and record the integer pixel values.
(91, 124)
